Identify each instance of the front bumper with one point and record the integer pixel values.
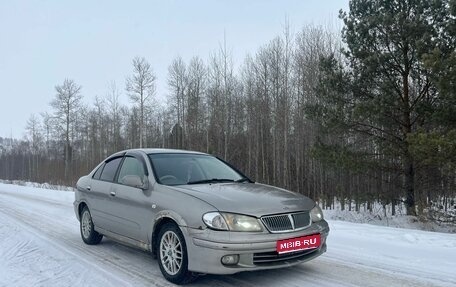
(257, 251)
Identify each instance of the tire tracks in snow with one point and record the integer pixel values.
(94, 256)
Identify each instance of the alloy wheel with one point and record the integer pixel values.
(86, 224)
(171, 252)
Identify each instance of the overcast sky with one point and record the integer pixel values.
(94, 42)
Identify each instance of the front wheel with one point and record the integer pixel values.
(88, 233)
(172, 255)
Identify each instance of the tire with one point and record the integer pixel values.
(88, 233)
(172, 255)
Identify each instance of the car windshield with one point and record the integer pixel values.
(182, 168)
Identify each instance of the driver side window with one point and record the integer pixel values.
(130, 166)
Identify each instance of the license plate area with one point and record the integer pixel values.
(298, 243)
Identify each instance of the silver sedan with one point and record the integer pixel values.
(197, 214)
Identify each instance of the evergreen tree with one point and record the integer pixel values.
(383, 94)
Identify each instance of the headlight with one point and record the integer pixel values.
(316, 214)
(237, 222)
(231, 221)
(215, 220)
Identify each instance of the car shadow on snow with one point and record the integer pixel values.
(142, 262)
(288, 276)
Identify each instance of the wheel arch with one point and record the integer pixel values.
(162, 219)
(81, 206)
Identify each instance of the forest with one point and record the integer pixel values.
(350, 118)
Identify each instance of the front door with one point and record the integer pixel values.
(131, 205)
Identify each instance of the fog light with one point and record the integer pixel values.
(230, 259)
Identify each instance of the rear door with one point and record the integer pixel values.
(99, 196)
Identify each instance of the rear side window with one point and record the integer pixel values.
(109, 170)
(98, 172)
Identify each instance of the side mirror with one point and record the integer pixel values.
(135, 181)
(145, 183)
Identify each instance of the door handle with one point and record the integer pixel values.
(88, 188)
(112, 193)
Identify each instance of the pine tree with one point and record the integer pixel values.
(384, 93)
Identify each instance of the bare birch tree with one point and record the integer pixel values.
(177, 84)
(66, 104)
(141, 88)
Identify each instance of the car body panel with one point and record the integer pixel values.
(248, 198)
(208, 245)
(100, 201)
(131, 211)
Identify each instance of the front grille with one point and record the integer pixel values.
(278, 222)
(269, 258)
(301, 219)
(286, 222)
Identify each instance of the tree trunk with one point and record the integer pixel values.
(408, 167)
(409, 186)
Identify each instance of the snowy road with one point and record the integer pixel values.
(40, 246)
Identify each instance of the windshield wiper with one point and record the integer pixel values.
(244, 179)
(212, 180)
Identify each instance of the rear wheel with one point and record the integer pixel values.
(172, 255)
(88, 233)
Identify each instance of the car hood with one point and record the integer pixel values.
(248, 198)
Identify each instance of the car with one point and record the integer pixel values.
(197, 214)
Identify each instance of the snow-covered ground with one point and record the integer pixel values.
(378, 216)
(40, 246)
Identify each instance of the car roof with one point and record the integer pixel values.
(160, 150)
